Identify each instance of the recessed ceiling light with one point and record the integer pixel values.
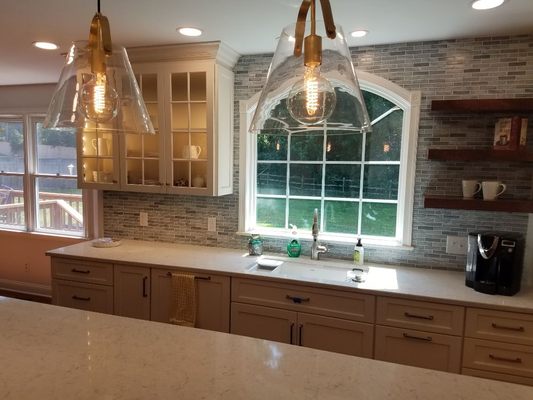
(358, 34)
(190, 31)
(45, 45)
(486, 4)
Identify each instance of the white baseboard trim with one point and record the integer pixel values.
(26, 287)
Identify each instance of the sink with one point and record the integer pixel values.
(312, 272)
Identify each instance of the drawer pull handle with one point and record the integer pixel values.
(298, 300)
(426, 317)
(424, 338)
(300, 331)
(202, 278)
(80, 271)
(516, 360)
(81, 298)
(144, 286)
(291, 328)
(509, 328)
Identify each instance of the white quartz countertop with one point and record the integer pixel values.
(51, 352)
(427, 284)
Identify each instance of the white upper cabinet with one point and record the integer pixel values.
(188, 91)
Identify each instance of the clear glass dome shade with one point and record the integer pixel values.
(110, 102)
(284, 104)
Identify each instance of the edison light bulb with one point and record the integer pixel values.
(99, 101)
(311, 99)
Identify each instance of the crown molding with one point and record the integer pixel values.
(218, 51)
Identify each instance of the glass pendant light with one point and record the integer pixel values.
(320, 91)
(97, 88)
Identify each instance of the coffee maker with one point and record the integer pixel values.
(494, 262)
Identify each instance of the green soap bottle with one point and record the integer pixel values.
(294, 248)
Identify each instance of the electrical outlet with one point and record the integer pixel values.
(143, 218)
(211, 224)
(456, 244)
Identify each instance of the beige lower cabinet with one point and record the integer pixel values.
(303, 329)
(212, 297)
(132, 291)
(263, 322)
(86, 285)
(498, 345)
(419, 333)
(419, 349)
(326, 319)
(335, 334)
(84, 296)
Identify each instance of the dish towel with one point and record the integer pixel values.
(183, 306)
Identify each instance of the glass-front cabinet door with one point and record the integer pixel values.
(190, 131)
(142, 158)
(99, 160)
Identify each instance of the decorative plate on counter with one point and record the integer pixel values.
(106, 242)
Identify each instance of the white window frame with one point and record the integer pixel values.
(92, 199)
(408, 101)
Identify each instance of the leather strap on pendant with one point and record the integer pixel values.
(300, 27)
(99, 42)
(331, 30)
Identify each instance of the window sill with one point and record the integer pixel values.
(368, 242)
(38, 235)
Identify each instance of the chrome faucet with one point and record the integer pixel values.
(316, 249)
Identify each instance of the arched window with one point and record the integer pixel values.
(361, 183)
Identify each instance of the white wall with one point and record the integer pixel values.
(25, 98)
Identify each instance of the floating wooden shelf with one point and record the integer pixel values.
(449, 202)
(484, 105)
(479, 155)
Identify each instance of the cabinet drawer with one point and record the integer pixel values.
(84, 296)
(82, 271)
(334, 303)
(500, 377)
(504, 358)
(430, 317)
(336, 335)
(419, 349)
(499, 325)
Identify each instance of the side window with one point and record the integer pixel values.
(38, 178)
(12, 207)
(59, 201)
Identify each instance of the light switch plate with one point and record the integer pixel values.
(211, 224)
(143, 218)
(456, 244)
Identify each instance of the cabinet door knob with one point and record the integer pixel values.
(79, 271)
(298, 300)
(508, 328)
(81, 298)
(291, 328)
(145, 279)
(426, 317)
(516, 360)
(424, 338)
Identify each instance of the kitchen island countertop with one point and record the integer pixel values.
(50, 352)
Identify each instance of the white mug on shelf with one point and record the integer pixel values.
(191, 151)
(101, 146)
(492, 189)
(198, 181)
(470, 188)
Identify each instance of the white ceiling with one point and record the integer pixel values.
(248, 26)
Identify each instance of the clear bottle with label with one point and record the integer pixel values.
(255, 245)
(359, 253)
